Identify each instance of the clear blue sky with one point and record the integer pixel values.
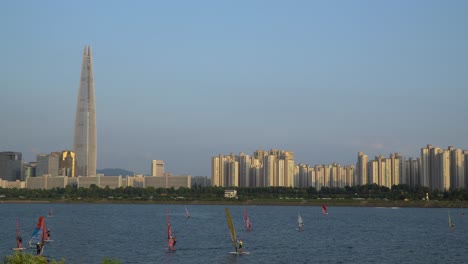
(183, 81)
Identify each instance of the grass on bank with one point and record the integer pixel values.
(25, 258)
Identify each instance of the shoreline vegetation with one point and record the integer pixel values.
(369, 195)
(264, 202)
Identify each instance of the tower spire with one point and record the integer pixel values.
(85, 121)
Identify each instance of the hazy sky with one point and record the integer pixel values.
(184, 81)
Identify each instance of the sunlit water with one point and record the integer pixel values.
(87, 233)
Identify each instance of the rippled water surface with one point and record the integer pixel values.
(87, 233)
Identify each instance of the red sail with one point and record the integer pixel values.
(324, 209)
(44, 231)
(18, 236)
(248, 225)
(170, 239)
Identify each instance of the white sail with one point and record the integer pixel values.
(300, 223)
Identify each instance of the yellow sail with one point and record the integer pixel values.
(231, 228)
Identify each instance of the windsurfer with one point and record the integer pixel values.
(240, 246)
(172, 243)
(48, 233)
(39, 248)
(19, 242)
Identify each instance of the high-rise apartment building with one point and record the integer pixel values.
(157, 167)
(457, 168)
(217, 170)
(395, 166)
(361, 169)
(465, 154)
(85, 144)
(232, 173)
(244, 170)
(426, 167)
(269, 165)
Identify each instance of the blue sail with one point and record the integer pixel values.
(39, 233)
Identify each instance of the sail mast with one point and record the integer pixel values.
(248, 225)
(231, 228)
(170, 238)
(18, 235)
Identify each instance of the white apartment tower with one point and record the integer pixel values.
(157, 168)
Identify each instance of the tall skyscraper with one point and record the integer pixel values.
(85, 122)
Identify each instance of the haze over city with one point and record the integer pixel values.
(185, 81)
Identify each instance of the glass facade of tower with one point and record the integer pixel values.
(85, 122)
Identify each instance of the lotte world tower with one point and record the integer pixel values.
(85, 122)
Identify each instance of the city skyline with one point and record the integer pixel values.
(435, 168)
(182, 83)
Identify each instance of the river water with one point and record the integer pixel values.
(88, 233)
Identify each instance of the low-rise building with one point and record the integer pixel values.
(230, 194)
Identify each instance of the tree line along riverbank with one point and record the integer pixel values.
(361, 195)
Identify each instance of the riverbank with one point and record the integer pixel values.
(267, 202)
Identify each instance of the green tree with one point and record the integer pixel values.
(23, 258)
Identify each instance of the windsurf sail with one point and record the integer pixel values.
(232, 231)
(39, 236)
(451, 225)
(51, 212)
(19, 240)
(324, 209)
(187, 215)
(248, 224)
(300, 223)
(170, 238)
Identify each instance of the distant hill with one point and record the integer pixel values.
(114, 172)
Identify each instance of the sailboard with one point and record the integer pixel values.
(232, 232)
(39, 235)
(451, 225)
(187, 215)
(51, 213)
(248, 224)
(324, 209)
(19, 240)
(300, 223)
(237, 253)
(171, 240)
